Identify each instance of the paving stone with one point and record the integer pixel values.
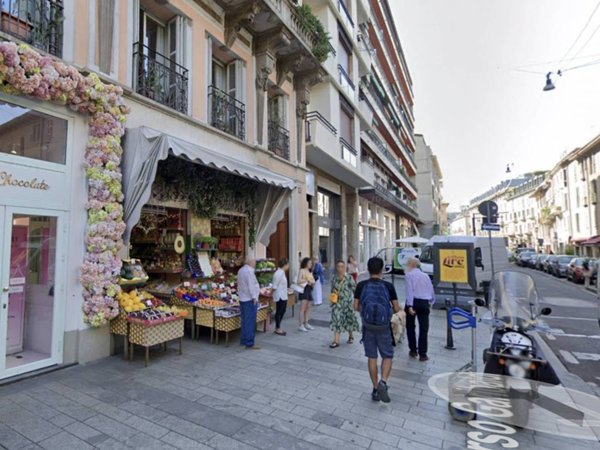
(10, 439)
(344, 435)
(221, 442)
(112, 444)
(145, 426)
(36, 429)
(328, 419)
(64, 441)
(111, 427)
(188, 429)
(182, 442)
(61, 420)
(143, 441)
(373, 434)
(86, 433)
(139, 409)
(326, 441)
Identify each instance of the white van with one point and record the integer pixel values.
(481, 244)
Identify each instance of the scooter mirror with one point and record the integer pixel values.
(480, 302)
(546, 311)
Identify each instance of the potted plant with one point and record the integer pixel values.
(207, 242)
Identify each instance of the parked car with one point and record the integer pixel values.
(539, 262)
(549, 262)
(521, 250)
(524, 259)
(577, 267)
(560, 266)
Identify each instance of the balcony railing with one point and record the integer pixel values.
(346, 82)
(384, 150)
(227, 113)
(346, 17)
(349, 153)
(394, 198)
(37, 22)
(279, 140)
(160, 78)
(315, 115)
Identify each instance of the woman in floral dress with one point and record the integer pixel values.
(343, 318)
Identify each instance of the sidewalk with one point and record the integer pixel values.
(295, 393)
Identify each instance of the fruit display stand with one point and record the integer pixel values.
(120, 327)
(148, 335)
(228, 323)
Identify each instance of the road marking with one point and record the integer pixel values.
(587, 356)
(570, 318)
(588, 336)
(568, 357)
(550, 337)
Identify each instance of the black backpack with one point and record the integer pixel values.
(375, 306)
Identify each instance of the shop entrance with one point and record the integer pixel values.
(31, 298)
(329, 229)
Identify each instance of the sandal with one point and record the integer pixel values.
(351, 340)
(334, 345)
(280, 333)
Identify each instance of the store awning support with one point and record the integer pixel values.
(145, 147)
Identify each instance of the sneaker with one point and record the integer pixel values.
(382, 389)
(303, 329)
(375, 395)
(308, 326)
(254, 347)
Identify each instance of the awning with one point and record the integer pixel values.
(580, 241)
(145, 147)
(592, 241)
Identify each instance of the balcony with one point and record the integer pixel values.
(346, 17)
(389, 199)
(365, 52)
(331, 154)
(346, 83)
(36, 22)
(366, 111)
(160, 78)
(279, 140)
(381, 149)
(227, 113)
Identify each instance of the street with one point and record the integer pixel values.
(576, 335)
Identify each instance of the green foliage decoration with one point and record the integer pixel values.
(321, 46)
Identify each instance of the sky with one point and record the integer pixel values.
(476, 102)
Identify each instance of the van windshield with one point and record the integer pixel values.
(427, 255)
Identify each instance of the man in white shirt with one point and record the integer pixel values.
(248, 291)
(280, 294)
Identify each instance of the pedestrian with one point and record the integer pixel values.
(306, 281)
(280, 294)
(248, 292)
(420, 296)
(343, 317)
(319, 275)
(353, 268)
(375, 299)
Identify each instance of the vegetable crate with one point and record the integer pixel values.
(149, 335)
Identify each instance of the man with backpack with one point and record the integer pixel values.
(377, 301)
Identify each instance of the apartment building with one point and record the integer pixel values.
(431, 208)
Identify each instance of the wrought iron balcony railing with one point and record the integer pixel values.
(227, 113)
(160, 78)
(346, 82)
(37, 22)
(279, 140)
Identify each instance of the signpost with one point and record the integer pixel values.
(454, 265)
(489, 210)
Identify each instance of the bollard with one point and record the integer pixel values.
(449, 338)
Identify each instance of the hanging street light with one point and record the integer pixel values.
(549, 84)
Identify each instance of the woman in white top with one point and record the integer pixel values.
(306, 281)
(280, 294)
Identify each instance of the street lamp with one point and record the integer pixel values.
(549, 84)
(508, 167)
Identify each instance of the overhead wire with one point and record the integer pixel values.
(587, 23)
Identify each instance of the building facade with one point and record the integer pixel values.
(245, 126)
(430, 204)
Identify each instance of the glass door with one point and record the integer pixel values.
(32, 290)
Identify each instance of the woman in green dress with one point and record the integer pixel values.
(343, 318)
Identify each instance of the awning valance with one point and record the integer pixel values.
(592, 241)
(145, 147)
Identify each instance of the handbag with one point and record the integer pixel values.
(334, 296)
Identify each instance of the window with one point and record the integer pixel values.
(32, 134)
(577, 222)
(345, 53)
(323, 231)
(323, 204)
(347, 133)
(577, 197)
(593, 192)
(565, 177)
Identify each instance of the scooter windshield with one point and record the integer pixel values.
(514, 301)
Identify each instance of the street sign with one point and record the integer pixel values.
(489, 211)
(490, 226)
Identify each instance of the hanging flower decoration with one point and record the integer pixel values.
(25, 71)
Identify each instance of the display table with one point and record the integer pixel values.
(228, 324)
(161, 333)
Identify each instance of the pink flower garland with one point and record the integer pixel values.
(25, 71)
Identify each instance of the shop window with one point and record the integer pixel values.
(323, 231)
(32, 134)
(323, 204)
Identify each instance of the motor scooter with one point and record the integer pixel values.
(514, 356)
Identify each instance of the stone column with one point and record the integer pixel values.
(265, 64)
(352, 219)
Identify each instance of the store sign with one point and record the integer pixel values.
(33, 186)
(8, 179)
(453, 266)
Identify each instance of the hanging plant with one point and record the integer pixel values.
(321, 45)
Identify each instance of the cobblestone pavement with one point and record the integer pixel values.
(295, 393)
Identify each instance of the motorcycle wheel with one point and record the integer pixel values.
(461, 415)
